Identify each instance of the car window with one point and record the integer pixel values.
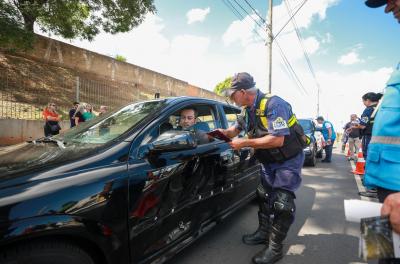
(104, 129)
(307, 125)
(231, 115)
(205, 122)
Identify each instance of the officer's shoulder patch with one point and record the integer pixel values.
(364, 119)
(279, 123)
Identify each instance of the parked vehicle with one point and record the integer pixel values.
(126, 187)
(314, 150)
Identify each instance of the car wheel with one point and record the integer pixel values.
(313, 158)
(45, 252)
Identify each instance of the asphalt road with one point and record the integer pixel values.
(320, 233)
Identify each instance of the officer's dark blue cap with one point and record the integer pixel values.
(241, 80)
(376, 3)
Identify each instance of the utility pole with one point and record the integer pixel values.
(318, 101)
(270, 39)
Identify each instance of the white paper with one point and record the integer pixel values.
(396, 244)
(357, 209)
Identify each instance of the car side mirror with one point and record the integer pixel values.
(173, 140)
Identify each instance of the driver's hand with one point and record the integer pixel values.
(223, 131)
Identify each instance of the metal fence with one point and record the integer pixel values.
(26, 89)
(24, 95)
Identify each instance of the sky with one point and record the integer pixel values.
(352, 49)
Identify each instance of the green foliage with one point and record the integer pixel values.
(120, 58)
(13, 35)
(220, 87)
(71, 18)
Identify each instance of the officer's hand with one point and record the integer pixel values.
(329, 142)
(391, 207)
(238, 143)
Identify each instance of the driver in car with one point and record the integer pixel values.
(188, 121)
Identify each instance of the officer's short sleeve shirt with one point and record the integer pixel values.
(366, 116)
(278, 113)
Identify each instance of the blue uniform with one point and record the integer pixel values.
(325, 132)
(366, 116)
(383, 162)
(367, 131)
(286, 175)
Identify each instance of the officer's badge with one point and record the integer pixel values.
(279, 123)
(364, 119)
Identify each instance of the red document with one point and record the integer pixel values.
(219, 135)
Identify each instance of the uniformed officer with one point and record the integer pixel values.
(278, 140)
(328, 132)
(370, 100)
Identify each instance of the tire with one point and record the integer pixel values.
(45, 252)
(313, 159)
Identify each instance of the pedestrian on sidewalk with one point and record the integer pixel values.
(354, 136)
(52, 119)
(78, 116)
(88, 114)
(72, 113)
(278, 140)
(103, 109)
(328, 132)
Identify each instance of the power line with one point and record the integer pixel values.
(256, 12)
(241, 7)
(276, 35)
(290, 69)
(241, 17)
(307, 57)
(292, 73)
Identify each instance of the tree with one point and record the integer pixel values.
(120, 58)
(74, 18)
(12, 32)
(220, 87)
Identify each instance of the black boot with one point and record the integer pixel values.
(262, 233)
(273, 252)
(284, 211)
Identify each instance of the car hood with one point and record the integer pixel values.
(33, 157)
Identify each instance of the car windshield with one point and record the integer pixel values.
(110, 126)
(307, 125)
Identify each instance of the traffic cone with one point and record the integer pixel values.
(360, 165)
(348, 150)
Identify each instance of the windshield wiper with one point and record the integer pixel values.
(49, 140)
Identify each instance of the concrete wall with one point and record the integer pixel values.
(82, 60)
(13, 131)
(49, 53)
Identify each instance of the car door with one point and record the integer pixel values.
(247, 168)
(171, 194)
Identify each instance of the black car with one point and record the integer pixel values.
(314, 150)
(127, 187)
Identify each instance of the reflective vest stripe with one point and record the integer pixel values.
(263, 104)
(385, 140)
(292, 121)
(263, 118)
